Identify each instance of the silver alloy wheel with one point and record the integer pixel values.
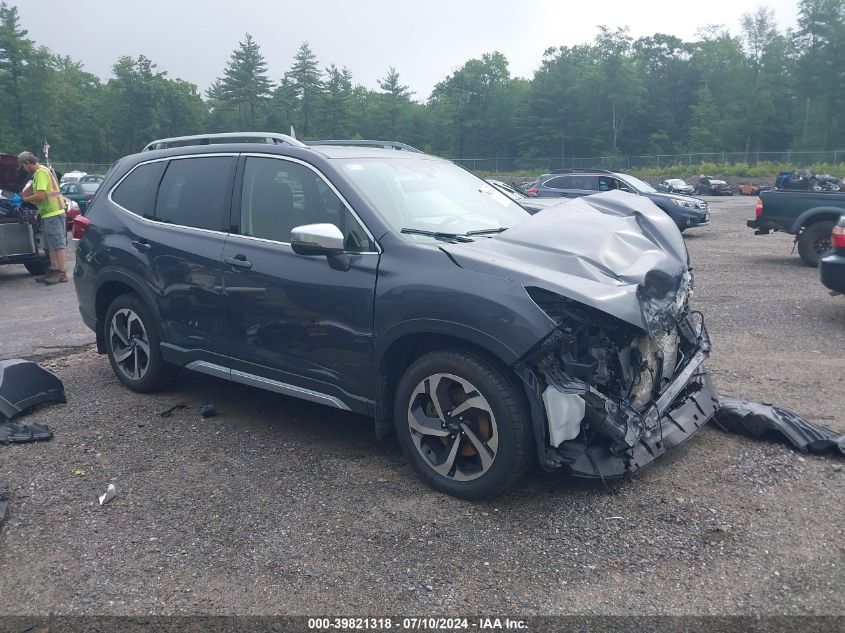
(129, 344)
(453, 427)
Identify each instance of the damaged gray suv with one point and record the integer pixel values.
(397, 285)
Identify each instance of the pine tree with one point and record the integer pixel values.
(305, 77)
(15, 50)
(337, 102)
(396, 97)
(245, 88)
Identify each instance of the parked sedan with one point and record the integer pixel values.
(675, 185)
(832, 266)
(708, 186)
(80, 192)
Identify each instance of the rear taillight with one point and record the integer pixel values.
(837, 237)
(88, 197)
(759, 210)
(532, 192)
(80, 225)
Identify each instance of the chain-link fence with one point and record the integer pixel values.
(88, 168)
(622, 163)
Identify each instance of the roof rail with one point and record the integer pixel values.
(367, 143)
(580, 170)
(271, 138)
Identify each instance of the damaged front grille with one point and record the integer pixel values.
(620, 373)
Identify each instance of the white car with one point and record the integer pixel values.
(73, 176)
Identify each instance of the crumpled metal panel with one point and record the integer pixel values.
(757, 419)
(596, 250)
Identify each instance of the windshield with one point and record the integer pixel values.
(420, 194)
(510, 192)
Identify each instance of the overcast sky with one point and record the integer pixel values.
(425, 40)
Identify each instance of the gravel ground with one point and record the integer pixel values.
(278, 506)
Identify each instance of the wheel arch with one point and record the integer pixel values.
(817, 214)
(112, 285)
(405, 345)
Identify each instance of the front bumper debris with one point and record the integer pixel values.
(616, 434)
(687, 415)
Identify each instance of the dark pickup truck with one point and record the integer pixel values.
(808, 215)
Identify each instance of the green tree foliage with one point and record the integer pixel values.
(307, 84)
(755, 90)
(337, 102)
(240, 98)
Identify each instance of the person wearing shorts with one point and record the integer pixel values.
(46, 196)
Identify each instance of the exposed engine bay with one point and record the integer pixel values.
(616, 397)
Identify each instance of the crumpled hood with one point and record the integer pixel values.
(596, 250)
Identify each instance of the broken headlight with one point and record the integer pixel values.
(663, 299)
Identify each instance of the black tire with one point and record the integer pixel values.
(156, 373)
(38, 267)
(814, 241)
(509, 425)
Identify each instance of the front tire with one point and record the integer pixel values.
(133, 345)
(814, 241)
(462, 424)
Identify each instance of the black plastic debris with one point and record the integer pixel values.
(758, 420)
(11, 433)
(25, 385)
(208, 410)
(171, 410)
(4, 501)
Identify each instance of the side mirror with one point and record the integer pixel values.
(316, 239)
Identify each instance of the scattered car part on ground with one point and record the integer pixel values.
(24, 385)
(580, 352)
(686, 212)
(108, 495)
(12, 433)
(709, 186)
(208, 410)
(675, 185)
(4, 501)
(169, 412)
(758, 420)
(809, 216)
(832, 266)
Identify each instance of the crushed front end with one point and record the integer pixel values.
(615, 396)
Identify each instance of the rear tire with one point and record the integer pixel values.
(133, 345)
(814, 241)
(463, 424)
(38, 267)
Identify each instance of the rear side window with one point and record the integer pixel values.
(195, 192)
(137, 192)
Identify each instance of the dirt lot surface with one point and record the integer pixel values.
(278, 506)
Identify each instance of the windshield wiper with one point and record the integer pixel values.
(438, 235)
(488, 231)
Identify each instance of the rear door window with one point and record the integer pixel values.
(195, 192)
(137, 192)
